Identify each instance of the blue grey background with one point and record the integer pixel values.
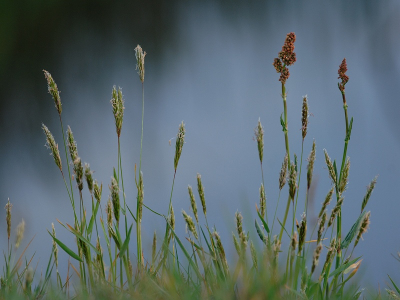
(209, 63)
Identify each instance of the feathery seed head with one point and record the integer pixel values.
(236, 243)
(51, 143)
(140, 55)
(117, 103)
(172, 218)
(259, 137)
(114, 189)
(193, 203)
(253, 254)
(370, 188)
(293, 243)
(331, 169)
(89, 178)
(200, 189)
(109, 211)
(321, 226)
(364, 227)
(239, 223)
(97, 191)
(221, 251)
(328, 199)
(304, 117)
(316, 255)
(263, 201)
(180, 140)
(189, 224)
(292, 181)
(78, 171)
(310, 165)
(345, 176)
(302, 231)
(20, 233)
(283, 173)
(73, 151)
(8, 208)
(335, 211)
(53, 91)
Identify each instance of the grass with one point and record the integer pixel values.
(317, 265)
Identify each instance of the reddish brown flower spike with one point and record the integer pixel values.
(342, 75)
(286, 57)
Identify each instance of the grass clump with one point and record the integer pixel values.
(197, 268)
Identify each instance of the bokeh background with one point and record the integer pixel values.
(208, 63)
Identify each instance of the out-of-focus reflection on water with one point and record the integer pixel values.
(216, 74)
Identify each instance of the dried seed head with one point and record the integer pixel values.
(51, 143)
(180, 140)
(259, 137)
(20, 233)
(114, 189)
(304, 117)
(55, 248)
(328, 199)
(253, 254)
(286, 57)
(89, 178)
(193, 203)
(109, 211)
(263, 201)
(321, 226)
(189, 224)
(117, 103)
(292, 181)
(302, 231)
(140, 197)
(364, 227)
(200, 189)
(316, 255)
(8, 208)
(53, 91)
(342, 75)
(140, 54)
(331, 169)
(310, 165)
(335, 211)
(370, 188)
(345, 176)
(283, 173)
(97, 191)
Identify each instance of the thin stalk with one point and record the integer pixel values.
(276, 208)
(298, 188)
(288, 153)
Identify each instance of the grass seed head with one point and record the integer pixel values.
(221, 251)
(283, 173)
(236, 243)
(20, 233)
(364, 227)
(114, 189)
(193, 203)
(316, 255)
(259, 137)
(55, 248)
(73, 151)
(78, 171)
(263, 201)
(370, 188)
(8, 208)
(140, 197)
(292, 181)
(335, 211)
(321, 226)
(331, 169)
(345, 176)
(117, 103)
(293, 243)
(109, 211)
(342, 75)
(304, 117)
(154, 248)
(328, 199)
(253, 254)
(51, 143)
(53, 91)
(97, 191)
(89, 177)
(172, 218)
(310, 165)
(189, 224)
(285, 58)
(140, 55)
(200, 189)
(302, 231)
(180, 140)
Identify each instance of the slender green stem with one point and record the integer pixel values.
(298, 188)
(141, 139)
(276, 208)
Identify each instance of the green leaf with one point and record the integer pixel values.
(353, 231)
(395, 286)
(65, 248)
(264, 223)
(343, 267)
(93, 217)
(260, 232)
(80, 236)
(126, 242)
(283, 124)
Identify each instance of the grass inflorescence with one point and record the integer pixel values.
(196, 266)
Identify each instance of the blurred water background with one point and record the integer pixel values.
(209, 63)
